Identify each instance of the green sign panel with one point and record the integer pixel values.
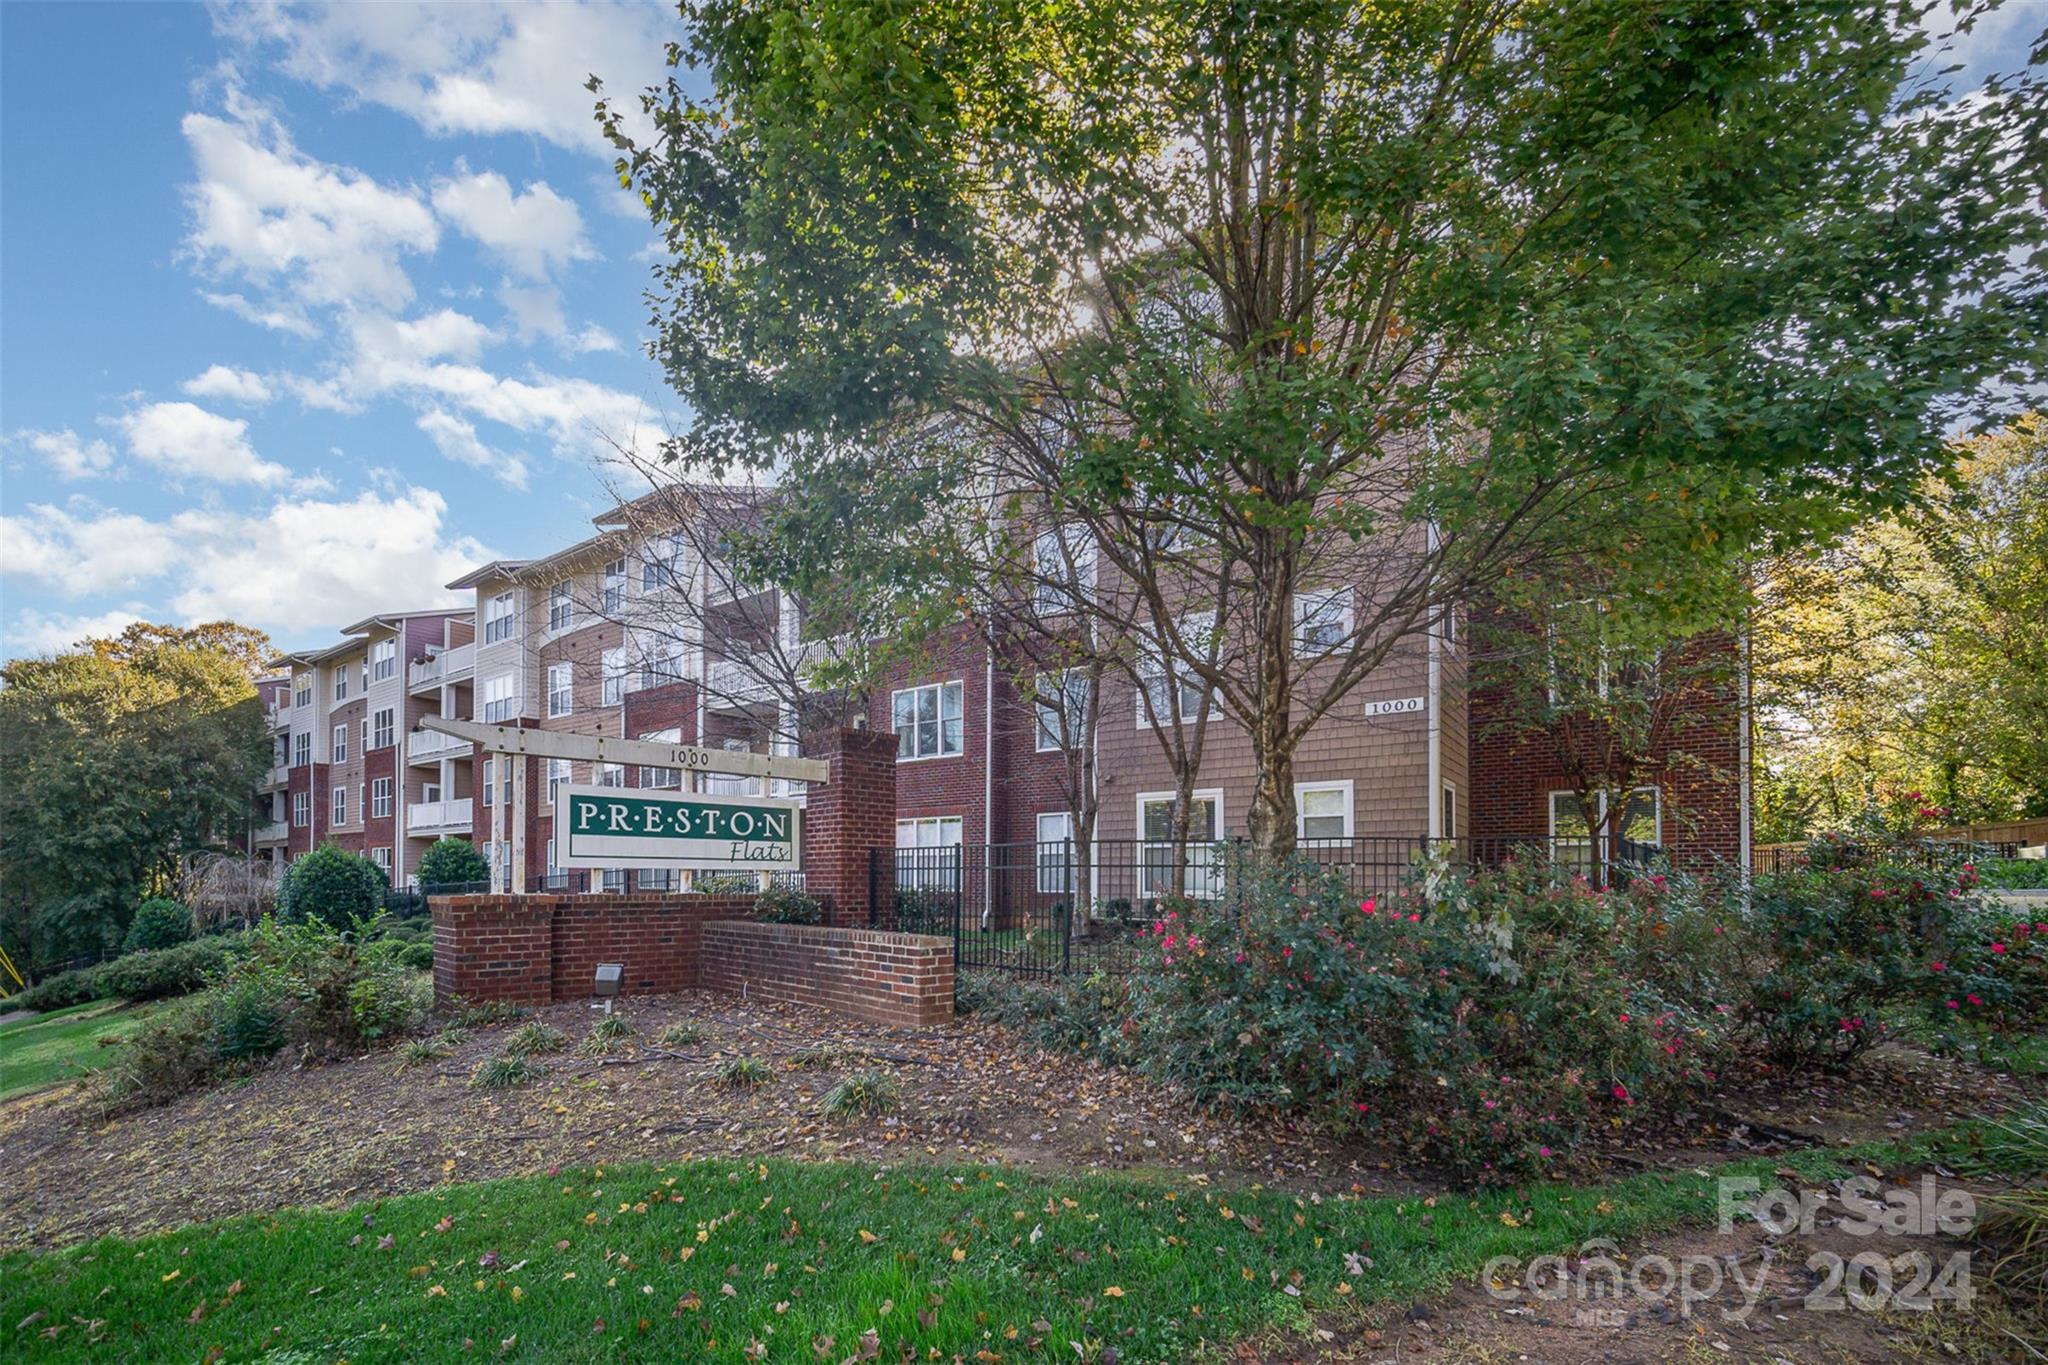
(625, 827)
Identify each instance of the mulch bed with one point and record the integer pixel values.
(971, 1092)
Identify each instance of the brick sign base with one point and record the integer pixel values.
(900, 979)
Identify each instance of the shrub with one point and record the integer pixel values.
(2014, 874)
(333, 886)
(781, 904)
(816, 1057)
(421, 1052)
(506, 1072)
(680, 1035)
(1069, 1014)
(169, 1054)
(741, 1072)
(864, 1092)
(451, 861)
(923, 910)
(606, 1036)
(159, 923)
(534, 1039)
(724, 884)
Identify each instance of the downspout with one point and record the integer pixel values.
(1433, 800)
(1744, 758)
(988, 747)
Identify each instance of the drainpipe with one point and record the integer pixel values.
(988, 747)
(1743, 759)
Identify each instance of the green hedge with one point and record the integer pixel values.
(150, 975)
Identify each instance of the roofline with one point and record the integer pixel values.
(497, 568)
(386, 618)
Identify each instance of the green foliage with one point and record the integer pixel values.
(159, 923)
(742, 1072)
(2014, 874)
(723, 884)
(606, 1036)
(119, 760)
(471, 1014)
(680, 1035)
(1066, 1013)
(861, 1094)
(149, 975)
(535, 1039)
(333, 886)
(422, 1052)
(922, 910)
(451, 861)
(816, 1057)
(167, 1056)
(781, 904)
(507, 1072)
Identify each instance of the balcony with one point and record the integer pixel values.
(278, 717)
(431, 746)
(437, 817)
(450, 665)
(735, 680)
(276, 777)
(273, 833)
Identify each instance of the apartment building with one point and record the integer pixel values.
(589, 640)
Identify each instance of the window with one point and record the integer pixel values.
(1322, 810)
(302, 748)
(1572, 842)
(928, 851)
(1062, 707)
(1447, 623)
(613, 687)
(1063, 570)
(501, 698)
(561, 612)
(612, 593)
(656, 879)
(661, 663)
(552, 869)
(302, 690)
(384, 660)
(558, 774)
(382, 858)
(1055, 852)
(498, 618)
(338, 805)
(663, 554)
(668, 778)
(561, 690)
(341, 684)
(928, 721)
(611, 774)
(1447, 815)
(1155, 702)
(614, 879)
(487, 793)
(380, 798)
(302, 809)
(1203, 877)
(340, 753)
(1322, 620)
(383, 728)
(366, 734)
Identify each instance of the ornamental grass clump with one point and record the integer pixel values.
(535, 1039)
(861, 1094)
(743, 1072)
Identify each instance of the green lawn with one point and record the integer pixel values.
(63, 1044)
(735, 1261)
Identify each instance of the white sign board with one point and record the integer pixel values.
(1401, 706)
(616, 827)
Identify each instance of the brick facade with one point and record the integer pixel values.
(899, 979)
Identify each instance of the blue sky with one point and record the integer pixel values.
(309, 309)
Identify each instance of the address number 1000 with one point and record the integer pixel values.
(1399, 707)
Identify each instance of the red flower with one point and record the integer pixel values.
(1998, 947)
(1368, 905)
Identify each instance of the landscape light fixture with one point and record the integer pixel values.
(609, 975)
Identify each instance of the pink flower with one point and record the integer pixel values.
(1973, 999)
(1998, 947)
(1621, 1092)
(1363, 1107)
(1412, 919)
(1543, 1151)
(1624, 1018)
(1877, 893)
(1368, 905)
(1287, 952)
(1953, 1005)
(1937, 966)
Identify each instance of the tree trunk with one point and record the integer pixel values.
(1270, 822)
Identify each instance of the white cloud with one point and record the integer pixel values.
(185, 438)
(535, 231)
(471, 68)
(591, 338)
(35, 633)
(458, 440)
(302, 562)
(320, 234)
(90, 551)
(292, 320)
(222, 381)
(535, 310)
(70, 455)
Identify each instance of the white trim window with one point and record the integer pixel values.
(612, 587)
(614, 879)
(302, 748)
(1203, 878)
(383, 728)
(338, 753)
(383, 660)
(380, 798)
(929, 720)
(341, 683)
(661, 663)
(558, 775)
(1055, 852)
(611, 774)
(1061, 706)
(337, 802)
(382, 858)
(612, 686)
(498, 618)
(1323, 810)
(1447, 814)
(1198, 631)
(561, 610)
(302, 809)
(553, 871)
(490, 765)
(663, 779)
(1572, 842)
(1063, 570)
(1322, 621)
(302, 690)
(500, 698)
(561, 689)
(658, 566)
(916, 865)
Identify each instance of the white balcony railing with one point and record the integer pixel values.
(422, 817)
(422, 745)
(272, 833)
(736, 680)
(277, 716)
(277, 776)
(450, 665)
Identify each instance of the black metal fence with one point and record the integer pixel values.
(1848, 853)
(1053, 908)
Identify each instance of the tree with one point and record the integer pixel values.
(333, 886)
(452, 862)
(1427, 300)
(119, 760)
(159, 922)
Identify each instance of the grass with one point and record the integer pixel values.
(508, 1072)
(535, 1039)
(680, 1035)
(744, 1071)
(63, 1044)
(864, 1092)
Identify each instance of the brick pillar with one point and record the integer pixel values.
(852, 813)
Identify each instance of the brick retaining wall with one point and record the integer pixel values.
(536, 950)
(901, 979)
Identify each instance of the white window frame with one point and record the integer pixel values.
(302, 748)
(1194, 693)
(927, 872)
(561, 689)
(499, 611)
(558, 775)
(384, 660)
(1301, 816)
(490, 769)
(660, 664)
(1202, 883)
(609, 775)
(1315, 610)
(337, 751)
(612, 585)
(1054, 854)
(561, 608)
(302, 809)
(1587, 858)
(337, 805)
(908, 743)
(1051, 553)
(341, 684)
(384, 727)
(658, 564)
(1046, 737)
(382, 858)
(663, 779)
(380, 798)
(612, 687)
(498, 709)
(1447, 811)
(302, 691)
